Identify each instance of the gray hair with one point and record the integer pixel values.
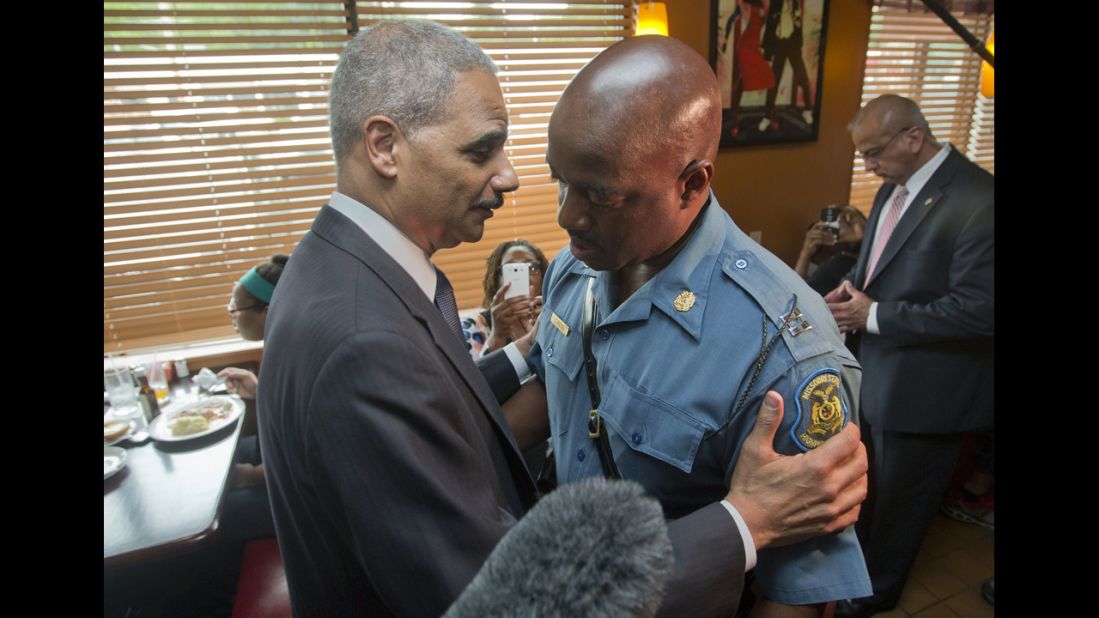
(895, 112)
(404, 70)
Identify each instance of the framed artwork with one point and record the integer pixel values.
(768, 56)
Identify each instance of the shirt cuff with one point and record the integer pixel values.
(522, 369)
(749, 545)
(872, 320)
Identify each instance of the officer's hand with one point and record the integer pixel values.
(786, 499)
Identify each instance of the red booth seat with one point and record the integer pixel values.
(261, 589)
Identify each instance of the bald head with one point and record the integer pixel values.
(646, 95)
(632, 143)
(893, 137)
(890, 113)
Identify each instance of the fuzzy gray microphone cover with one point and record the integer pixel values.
(595, 548)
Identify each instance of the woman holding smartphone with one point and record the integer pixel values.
(831, 247)
(508, 315)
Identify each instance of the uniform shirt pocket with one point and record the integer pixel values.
(565, 352)
(650, 425)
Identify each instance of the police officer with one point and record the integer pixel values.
(691, 323)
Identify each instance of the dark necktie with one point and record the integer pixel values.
(444, 300)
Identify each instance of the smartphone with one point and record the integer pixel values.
(831, 215)
(518, 275)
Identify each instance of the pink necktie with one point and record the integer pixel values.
(891, 219)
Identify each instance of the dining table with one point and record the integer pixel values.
(168, 495)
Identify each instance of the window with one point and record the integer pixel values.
(912, 53)
(217, 153)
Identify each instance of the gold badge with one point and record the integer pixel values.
(684, 301)
(820, 409)
(560, 324)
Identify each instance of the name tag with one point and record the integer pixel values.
(560, 324)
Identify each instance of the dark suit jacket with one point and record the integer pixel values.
(931, 368)
(391, 471)
(500, 375)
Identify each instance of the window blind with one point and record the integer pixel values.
(914, 54)
(217, 152)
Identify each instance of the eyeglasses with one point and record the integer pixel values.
(233, 309)
(874, 153)
(535, 269)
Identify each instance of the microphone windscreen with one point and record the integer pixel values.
(595, 548)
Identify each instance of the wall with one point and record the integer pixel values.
(780, 189)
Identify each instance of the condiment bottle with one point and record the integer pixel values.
(148, 396)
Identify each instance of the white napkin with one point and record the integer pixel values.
(206, 379)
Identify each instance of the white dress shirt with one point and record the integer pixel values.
(410, 257)
(914, 185)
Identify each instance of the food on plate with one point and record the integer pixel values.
(113, 430)
(186, 425)
(200, 417)
(209, 410)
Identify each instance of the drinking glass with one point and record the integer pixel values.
(158, 381)
(121, 392)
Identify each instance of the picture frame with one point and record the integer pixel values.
(768, 56)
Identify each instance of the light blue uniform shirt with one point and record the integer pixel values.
(671, 381)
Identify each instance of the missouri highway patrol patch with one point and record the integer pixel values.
(820, 410)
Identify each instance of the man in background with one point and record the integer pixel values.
(918, 308)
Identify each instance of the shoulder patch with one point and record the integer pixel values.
(821, 413)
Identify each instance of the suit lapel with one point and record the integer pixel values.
(928, 197)
(342, 232)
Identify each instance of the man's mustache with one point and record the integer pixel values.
(491, 203)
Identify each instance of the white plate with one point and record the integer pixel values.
(160, 430)
(114, 459)
(129, 432)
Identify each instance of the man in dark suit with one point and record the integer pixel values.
(392, 473)
(392, 470)
(918, 307)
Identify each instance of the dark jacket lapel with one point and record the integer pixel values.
(926, 199)
(345, 234)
